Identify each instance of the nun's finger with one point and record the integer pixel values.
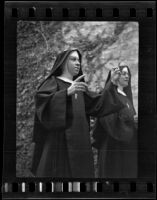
(117, 71)
(79, 78)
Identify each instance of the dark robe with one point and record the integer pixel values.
(115, 138)
(61, 128)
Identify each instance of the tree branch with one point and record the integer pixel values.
(43, 35)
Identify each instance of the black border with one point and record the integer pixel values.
(147, 77)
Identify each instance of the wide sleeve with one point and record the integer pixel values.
(119, 125)
(51, 105)
(103, 104)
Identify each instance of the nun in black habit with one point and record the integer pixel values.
(61, 126)
(115, 135)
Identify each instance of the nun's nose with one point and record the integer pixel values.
(127, 75)
(78, 63)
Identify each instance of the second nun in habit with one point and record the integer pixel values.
(116, 135)
(61, 126)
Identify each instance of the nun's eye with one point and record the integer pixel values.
(124, 74)
(74, 59)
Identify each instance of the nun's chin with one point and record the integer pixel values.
(76, 73)
(126, 85)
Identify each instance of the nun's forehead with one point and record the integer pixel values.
(125, 69)
(74, 54)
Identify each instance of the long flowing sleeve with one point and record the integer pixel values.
(51, 105)
(119, 125)
(103, 104)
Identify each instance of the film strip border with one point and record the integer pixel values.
(75, 186)
(80, 10)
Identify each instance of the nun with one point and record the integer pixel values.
(115, 135)
(63, 106)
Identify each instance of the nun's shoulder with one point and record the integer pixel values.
(48, 84)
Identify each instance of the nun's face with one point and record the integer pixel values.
(73, 64)
(124, 77)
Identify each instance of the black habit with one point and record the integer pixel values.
(115, 138)
(61, 125)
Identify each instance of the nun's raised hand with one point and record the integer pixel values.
(77, 86)
(115, 74)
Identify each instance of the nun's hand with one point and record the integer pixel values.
(115, 74)
(77, 86)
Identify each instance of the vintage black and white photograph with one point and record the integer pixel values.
(77, 99)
